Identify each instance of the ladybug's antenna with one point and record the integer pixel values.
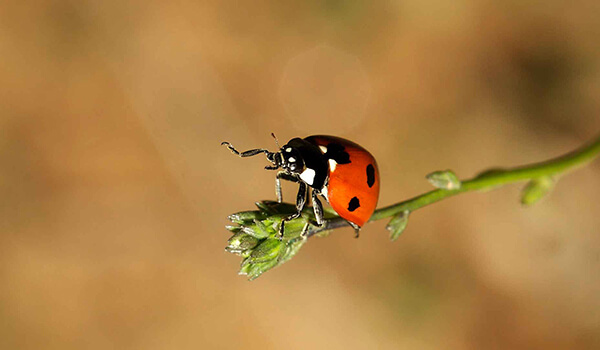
(276, 142)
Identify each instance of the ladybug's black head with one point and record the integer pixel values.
(291, 159)
(275, 158)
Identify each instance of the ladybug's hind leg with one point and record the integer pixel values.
(300, 203)
(356, 228)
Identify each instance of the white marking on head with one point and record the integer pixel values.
(288, 150)
(291, 159)
(332, 165)
(308, 176)
(323, 149)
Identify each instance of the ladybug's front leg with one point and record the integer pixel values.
(244, 154)
(300, 203)
(285, 176)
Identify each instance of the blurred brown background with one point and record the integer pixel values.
(115, 190)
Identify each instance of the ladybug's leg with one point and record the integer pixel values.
(356, 228)
(285, 176)
(300, 203)
(248, 153)
(304, 230)
(317, 208)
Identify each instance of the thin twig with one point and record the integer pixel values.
(487, 180)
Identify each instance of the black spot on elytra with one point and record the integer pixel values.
(336, 152)
(370, 175)
(353, 204)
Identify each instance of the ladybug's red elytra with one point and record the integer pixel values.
(339, 170)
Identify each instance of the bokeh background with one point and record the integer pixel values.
(115, 192)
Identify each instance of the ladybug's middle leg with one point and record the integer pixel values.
(317, 208)
(300, 203)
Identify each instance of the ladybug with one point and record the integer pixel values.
(339, 170)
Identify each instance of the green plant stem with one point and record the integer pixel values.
(487, 180)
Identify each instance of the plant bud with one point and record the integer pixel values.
(397, 225)
(446, 180)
